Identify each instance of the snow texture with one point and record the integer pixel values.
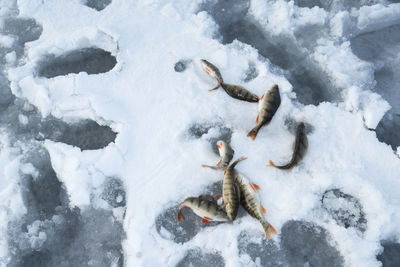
(106, 118)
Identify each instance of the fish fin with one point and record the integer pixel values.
(206, 220)
(262, 97)
(257, 119)
(256, 186)
(269, 229)
(216, 87)
(253, 133)
(219, 163)
(208, 166)
(252, 187)
(180, 216)
(271, 163)
(264, 211)
(218, 197)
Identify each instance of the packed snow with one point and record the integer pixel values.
(106, 118)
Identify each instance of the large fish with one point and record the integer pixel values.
(300, 149)
(204, 206)
(212, 71)
(226, 153)
(231, 190)
(267, 106)
(250, 201)
(239, 92)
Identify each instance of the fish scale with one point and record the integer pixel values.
(267, 107)
(231, 191)
(251, 203)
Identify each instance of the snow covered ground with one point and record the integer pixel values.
(105, 120)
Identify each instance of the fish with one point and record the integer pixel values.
(299, 151)
(204, 206)
(212, 71)
(226, 153)
(267, 107)
(249, 199)
(231, 191)
(234, 91)
(239, 92)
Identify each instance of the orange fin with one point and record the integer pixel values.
(271, 163)
(257, 119)
(252, 187)
(256, 186)
(273, 229)
(180, 216)
(264, 211)
(219, 163)
(206, 220)
(218, 197)
(251, 135)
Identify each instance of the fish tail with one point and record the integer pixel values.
(216, 87)
(268, 229)
(180, 216)
(253, 133)
(288, 166)
(237, 161)
(211, 167)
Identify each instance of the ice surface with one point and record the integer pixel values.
(114, 193)
(259, 249)
(307, 244)
(185, 230)
(181, 65)
(90, 60)
(197, 258)
(156, 99)
(390, 257)
(98, 4)
(310, 83)
(381, 48)
(85, 134)
(212, 132)
(344, 208)
(81, 238)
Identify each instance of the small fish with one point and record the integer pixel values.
(231, 191)
(300, 149)
(226, 153)
(250, 201)
(239, 92)
(267, 106)
(204, 206)
(212, 71)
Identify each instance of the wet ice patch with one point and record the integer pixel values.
(114, 193)
(345, 209)
(181, 65)
(85, 134)
(251, 73)
(390, 256)
(90, 60)
(306, 244)
(198, 258)
(212, 132)
(262, 251)
(81, 238)
(381, 48)
(97, 4)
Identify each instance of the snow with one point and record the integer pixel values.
(124, 121)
